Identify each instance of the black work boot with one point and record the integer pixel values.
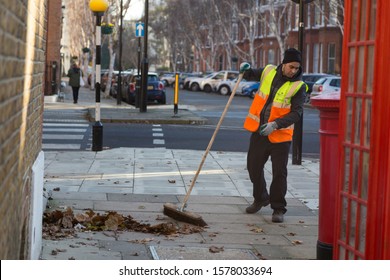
(256, 206)
(278, 216)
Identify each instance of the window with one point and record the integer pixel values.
(296, 18)
(335, 83)
(307, 60)
(235, 31)
(331, 58)
(308, 19)
(316, 52)
(318, 15)
(271, 56)
(333, 12)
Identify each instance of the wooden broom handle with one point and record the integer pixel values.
(211, 141)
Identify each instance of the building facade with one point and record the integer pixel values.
(22, 82)
(53, 47)
(277, 23)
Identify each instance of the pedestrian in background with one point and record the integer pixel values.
(74, 75)
(277, 105)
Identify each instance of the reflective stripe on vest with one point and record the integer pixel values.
(281, 105)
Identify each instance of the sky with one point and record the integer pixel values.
(136, 9)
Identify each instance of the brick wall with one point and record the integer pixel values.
(53, 53)
(22, 66)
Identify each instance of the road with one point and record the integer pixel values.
(231, 137)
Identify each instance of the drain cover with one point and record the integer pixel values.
(196, 253)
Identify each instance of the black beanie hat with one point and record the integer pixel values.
(292, 55)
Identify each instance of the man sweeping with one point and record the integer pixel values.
(277, 105)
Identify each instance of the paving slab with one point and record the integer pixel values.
(194, 253)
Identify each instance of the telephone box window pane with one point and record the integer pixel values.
(355, 172)
(367, 123)
(343, 226)
(346, 170)
(370, 71)
(365, 174)
(352, 227)
(351, 255)
(363, 20)
(348, 126)
(341, 253)
(372, 21)
(362, 229)
(353, 21)
(361, 70)
(358, 119)
(351, 70)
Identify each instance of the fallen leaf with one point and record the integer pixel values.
(142, 241)
(215, 249)
(297, 242)
(257, 230)
(80, 217)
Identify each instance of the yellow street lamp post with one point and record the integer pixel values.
(98, 7)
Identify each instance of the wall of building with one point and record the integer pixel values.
(22, 60)
(53, 54)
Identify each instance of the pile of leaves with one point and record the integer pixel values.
(57, 224)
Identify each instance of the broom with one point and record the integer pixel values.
(178, 213)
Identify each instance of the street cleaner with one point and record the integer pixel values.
(277, 105)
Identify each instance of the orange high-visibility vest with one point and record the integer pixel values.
(281, 105)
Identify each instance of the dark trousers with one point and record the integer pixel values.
(75, 93)
(260, 149)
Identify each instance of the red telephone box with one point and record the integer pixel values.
(363, 198)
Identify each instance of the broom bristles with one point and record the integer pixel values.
(174, 212)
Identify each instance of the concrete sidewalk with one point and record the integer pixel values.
(138, 181)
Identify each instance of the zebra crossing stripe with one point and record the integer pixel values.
(66, 124)
(62, 136)
(47, 146)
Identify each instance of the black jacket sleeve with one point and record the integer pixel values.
(253, 74)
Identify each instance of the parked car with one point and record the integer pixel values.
(326, 85)
(185, 77)
(226, 87)
(192, 83)
(155, 90)
(209, 83)
(250, 89)
(168, 79)
(310, 79)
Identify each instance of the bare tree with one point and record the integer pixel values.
(332, 11)
(238, 15)
(113, 16)
(278, 19)
(80, 27)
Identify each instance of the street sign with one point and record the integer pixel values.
(139, 29)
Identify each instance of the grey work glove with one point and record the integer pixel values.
(245, 66)
(267, 128)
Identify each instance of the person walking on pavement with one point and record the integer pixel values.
(74, 75)
(277, 105)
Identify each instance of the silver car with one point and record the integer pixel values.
(326, 85)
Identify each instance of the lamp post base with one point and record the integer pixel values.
(97, 137)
